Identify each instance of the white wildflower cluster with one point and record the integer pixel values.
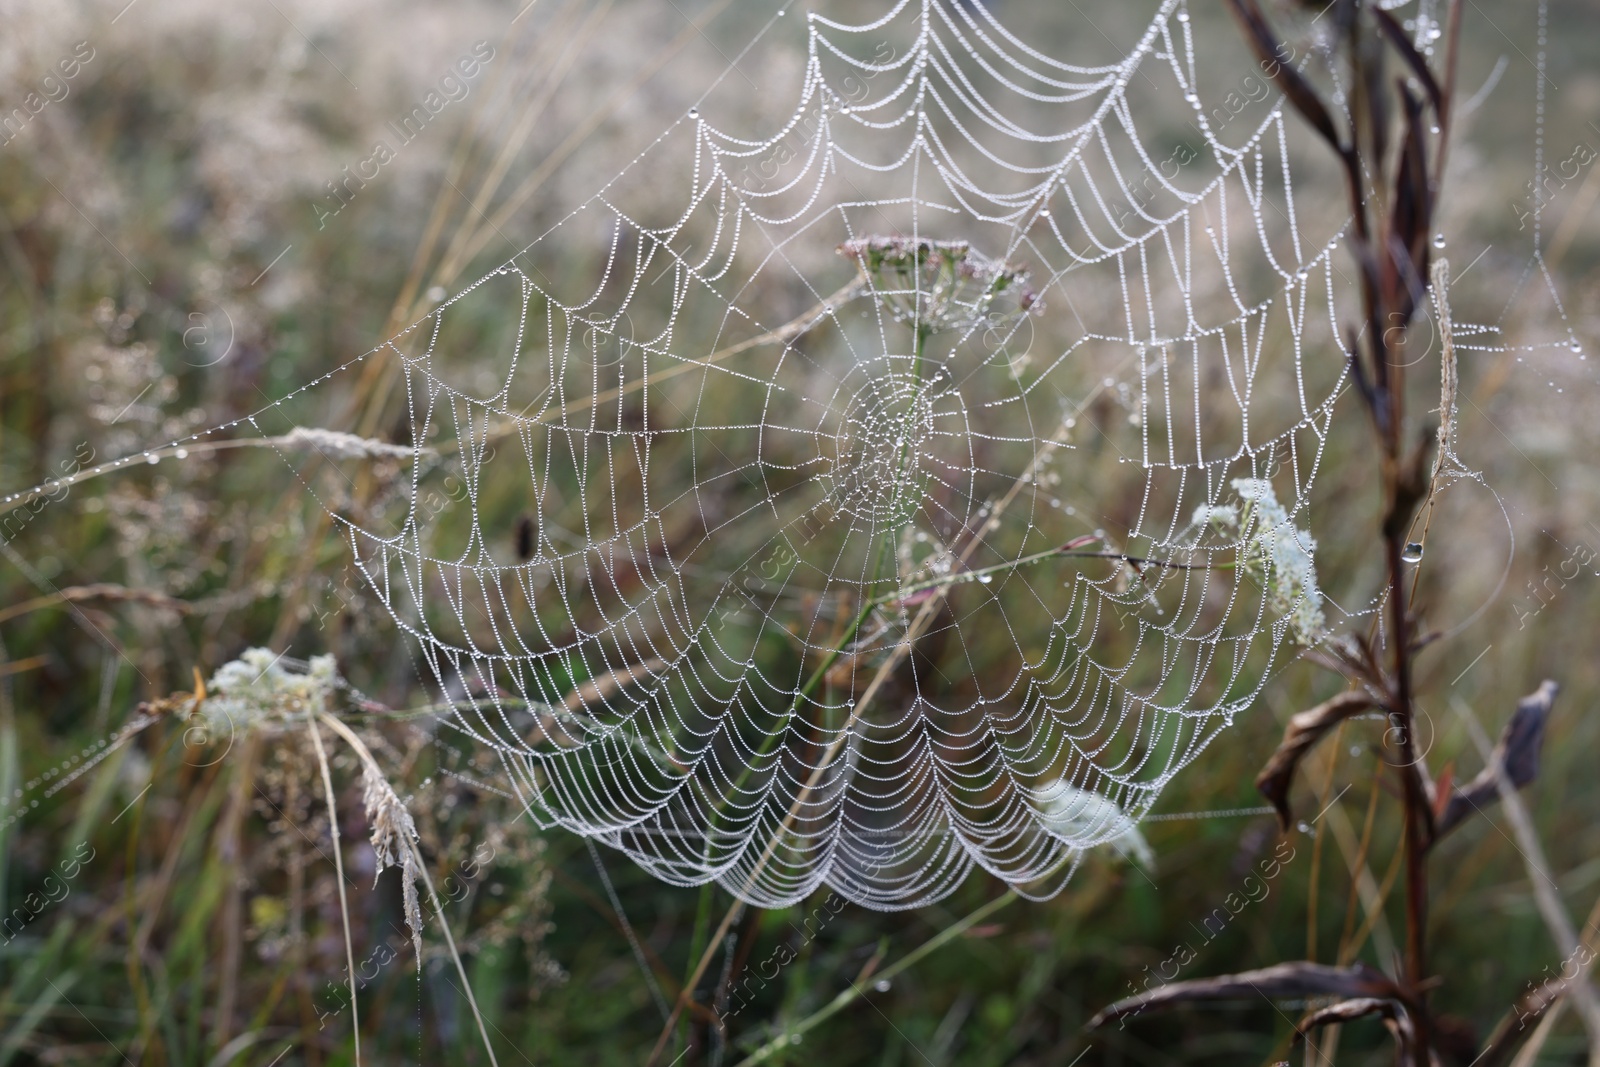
(1276, 552)
(260, 686)
(1078, 815)
(393, 837)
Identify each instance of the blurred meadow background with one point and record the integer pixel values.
(181, 248)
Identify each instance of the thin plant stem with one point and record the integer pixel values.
(1347, 947)
(338, 867)
(183, 450)
(366, 757)
(1316, 852)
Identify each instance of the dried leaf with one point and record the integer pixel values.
(1270, 51)
(1363, 382)
(1369, 106)
(1396, 1021)
(1297, 979)
(1343, 1012)
(1422, 641)
(1517, 752)
(1304, 731)
(1406, 266)
(1408, 52)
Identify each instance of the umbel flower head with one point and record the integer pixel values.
(1278, 554)
(262, 689)
(937, 285)
(260, 686)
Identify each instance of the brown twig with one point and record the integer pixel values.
(1392, 207)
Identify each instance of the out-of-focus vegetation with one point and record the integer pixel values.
(172, 261)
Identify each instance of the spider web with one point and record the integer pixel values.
(795, 606)
(870, 486)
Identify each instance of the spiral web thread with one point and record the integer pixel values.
(852, 592)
